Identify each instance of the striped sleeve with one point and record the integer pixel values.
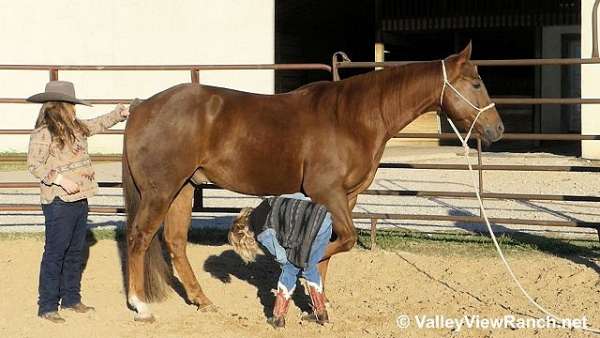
(103, 122)
(37, 157)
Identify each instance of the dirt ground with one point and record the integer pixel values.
(368, 291)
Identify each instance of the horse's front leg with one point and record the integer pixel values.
(323, 264)
(337, 204)
(177, 223)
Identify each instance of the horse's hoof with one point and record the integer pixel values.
(144, 318)
(321, 319)
(207, 308)
(276, 322)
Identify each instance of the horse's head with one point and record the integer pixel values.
(463, 76)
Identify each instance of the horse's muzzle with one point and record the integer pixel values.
(493, 134)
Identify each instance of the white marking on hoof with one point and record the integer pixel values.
(143, 310)
(208, 308)
(144, 318)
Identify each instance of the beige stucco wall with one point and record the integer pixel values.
(128, 32)
(590, 85)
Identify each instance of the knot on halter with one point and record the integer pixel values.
(479, 110)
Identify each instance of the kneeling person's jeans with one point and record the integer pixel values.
(62, 262)
(289, 272)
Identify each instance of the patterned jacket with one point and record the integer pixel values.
(50, 164)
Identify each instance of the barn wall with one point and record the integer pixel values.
(128, 32)
(590, 86)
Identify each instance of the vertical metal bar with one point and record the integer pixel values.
(195, 75)
(198, 199)
(595, 29)
(379, 54)
(373, 233)
(334, 68)
(335, 62)
(53, 74)
(480, 170)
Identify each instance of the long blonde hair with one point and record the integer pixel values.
(242, 238)
(59, 118)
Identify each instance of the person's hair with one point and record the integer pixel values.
(59, 118)
(242, 238)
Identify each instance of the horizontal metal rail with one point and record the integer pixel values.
(474, 219)
(37, 207)
(441, 136)
(379, 192)
(193, 69)
(390, 165)
(485, 63)
(500, 101)
(289, 66)
(485, 195)
(377, 216)
(493, 167)
(505, 136)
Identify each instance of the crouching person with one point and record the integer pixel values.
(295, 231)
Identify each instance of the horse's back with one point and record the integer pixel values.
(246, 142)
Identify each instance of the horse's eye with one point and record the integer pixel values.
(477, 85)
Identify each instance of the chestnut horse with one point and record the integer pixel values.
(324, 139)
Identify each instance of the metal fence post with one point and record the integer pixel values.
(195, 75)
(53, 74)
(480, 171)
(595, 29)
(373, 233)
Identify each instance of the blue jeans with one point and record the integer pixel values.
(289, 272)
(62, 262)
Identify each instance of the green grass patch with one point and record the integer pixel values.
(13, 166)
(9, 236)
(476, 245)
(18, 161)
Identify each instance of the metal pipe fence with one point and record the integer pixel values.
(374, 217)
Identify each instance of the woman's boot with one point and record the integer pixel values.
(317, 299)
(282, 303)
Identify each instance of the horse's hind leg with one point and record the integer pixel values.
(177, 223)
(147, 221)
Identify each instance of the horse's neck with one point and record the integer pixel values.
(382, 103)
(375, 106)
(408, 92)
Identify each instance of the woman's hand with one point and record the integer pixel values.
(69, 186)
(122, 109)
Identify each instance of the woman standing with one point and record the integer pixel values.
(58, 157)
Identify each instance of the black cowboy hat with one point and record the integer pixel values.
(62, 91)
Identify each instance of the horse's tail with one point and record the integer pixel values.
(156, 271)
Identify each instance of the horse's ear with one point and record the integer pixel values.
(465, 54)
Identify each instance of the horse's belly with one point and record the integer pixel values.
(255, 178)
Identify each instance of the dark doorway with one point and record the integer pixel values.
(311, 31)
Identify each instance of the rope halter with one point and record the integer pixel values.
(479, 110)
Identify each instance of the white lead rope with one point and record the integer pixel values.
(465, 145)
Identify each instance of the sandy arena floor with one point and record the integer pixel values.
(368, 290)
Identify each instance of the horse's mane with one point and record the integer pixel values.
(385, 90)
